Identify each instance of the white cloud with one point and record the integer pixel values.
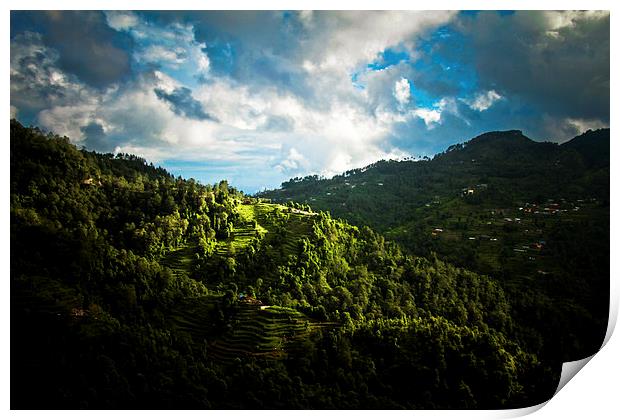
(14, 112)
(430, 116)
(294, 161)
(341, 129)
(340, 43)
(402, 91)
(36, 80)
(339, 137)
(203, 62)
(337, 129)
(293, 109)
(136, 121)
(583, 125)
(165, 82)
(306, 18)
(121, 21)
(484, 100)
(168, 46)
(344, 39)
(68, 119)
(561, 130)
(433, 116)
(557, 20)
(159, 53)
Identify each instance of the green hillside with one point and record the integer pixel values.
(535, 216)
(132, 288)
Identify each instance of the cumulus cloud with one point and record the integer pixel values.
(293, 162)
(557, 20)
(95, 138)
(484, 100)
(87, 48)
(183, 103)
(158, 119)
(402, 91)
(562, 130)
(68, 120)
(314, 92)
(167, 47)
(582, 125)
(430, 116)
(161, 54)
(318, 114)
(558, 61)
(434, 115)
(306, 18)
(344, 39)
(329, 139)
(37, 81)
(121, 21)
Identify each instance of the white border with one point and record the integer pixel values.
(592, 394)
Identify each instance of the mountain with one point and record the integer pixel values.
(132, 288)
(592, 146)
(534, 216)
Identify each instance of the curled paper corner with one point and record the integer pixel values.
(569, 370)
(520, 412)
(613, 316)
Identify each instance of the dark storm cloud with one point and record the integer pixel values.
(328, 87)
(248, 28)
(562, 68)
(258, 48)
(95, 138)
(36, 81)
(183, 103)
(87, 46)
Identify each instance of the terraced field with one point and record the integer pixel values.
(252, 330)
(266, 332)
(51, 298)
(180, 260)
(298, 225)
(255, 220)
(197, 317)
(243, 232)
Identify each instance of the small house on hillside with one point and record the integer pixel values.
(249, 300)
(91, 181)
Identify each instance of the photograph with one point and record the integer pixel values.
(306, 209)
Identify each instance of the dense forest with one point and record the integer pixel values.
(132, 288)
(534, 216)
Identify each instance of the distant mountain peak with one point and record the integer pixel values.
(499, 135)
(593, 145)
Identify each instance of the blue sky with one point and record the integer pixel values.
(259, 97)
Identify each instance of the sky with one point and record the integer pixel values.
(260, 97)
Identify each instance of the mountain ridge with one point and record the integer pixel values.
(532, 214)
(132, 288)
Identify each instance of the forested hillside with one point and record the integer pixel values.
(131, 288)
(534, 216)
